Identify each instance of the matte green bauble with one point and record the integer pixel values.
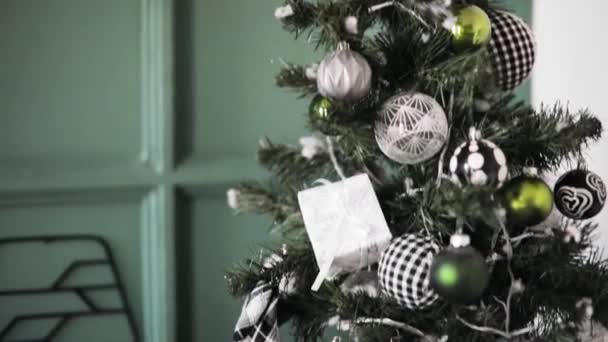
(472, 28)
(322, 112)
(527, 200)
(459, 275)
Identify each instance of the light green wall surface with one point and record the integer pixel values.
(69, 74)
(104, 133)
(236, 47)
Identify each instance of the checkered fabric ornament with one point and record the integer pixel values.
(512, 49)
(259, 320)
(404, 271)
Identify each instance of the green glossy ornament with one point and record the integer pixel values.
(459, 275)
(472, 28)
(322, 112)
(527, 200)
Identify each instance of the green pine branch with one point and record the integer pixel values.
(544, 139)
(294, 76)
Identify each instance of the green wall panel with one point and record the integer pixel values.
(217, 239)
(69, 81)
(231, 52)
(38, 265)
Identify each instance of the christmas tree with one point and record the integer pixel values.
(418, 210)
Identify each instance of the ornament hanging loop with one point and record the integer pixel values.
(531, 171)
(460, 240)
(474, 134)
(342, 46)
(581, 163)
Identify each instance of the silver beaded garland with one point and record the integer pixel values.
(411, 128)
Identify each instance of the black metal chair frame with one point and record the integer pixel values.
(65, 317)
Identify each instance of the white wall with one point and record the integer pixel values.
(572, 67)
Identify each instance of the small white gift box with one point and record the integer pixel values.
(345, 225)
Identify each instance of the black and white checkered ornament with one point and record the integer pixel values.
(512, 49)
(478, 162)
(404, 271)
(259, 318)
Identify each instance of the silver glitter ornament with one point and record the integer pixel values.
(411, 128)
(344, 75)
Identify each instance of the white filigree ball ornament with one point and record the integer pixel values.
(411, 128)
(344, 75)
(478, 162)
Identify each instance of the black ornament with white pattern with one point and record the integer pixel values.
(478, 162)
(580, 194)
(404, 271)
(512, 49)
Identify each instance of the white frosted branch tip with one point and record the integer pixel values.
(271, 261)
(425, 37)
(561, 125)
(263, 143)
(518, 286)
(572, 233)
(311, 146)
(482, 105)
(460, 240)
(283, 12)
(449, 22)
(233, 198)
(311, 71)
(351, 24)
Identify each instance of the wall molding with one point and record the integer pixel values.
(92, 195)
(158, 207)
(157, 84)
(158, 265)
